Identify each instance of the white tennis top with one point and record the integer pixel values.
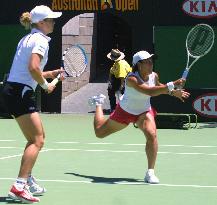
(133, 101)
(34, 42)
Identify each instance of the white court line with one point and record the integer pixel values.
(166, 145)
(100, 143)
(18, 155)
(133, 144)
(11, 148)
(61, 149)
(111, 151)
(12, 156)
(7, 140)
(133, 151)
(122, 183)
(67, 142)
(176, 145)
(96, 150)
(167, 185)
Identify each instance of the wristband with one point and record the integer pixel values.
(44, 85)
(170, 86)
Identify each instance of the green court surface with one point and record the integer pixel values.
(77, 168)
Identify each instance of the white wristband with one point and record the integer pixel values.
(44, 85)
(170, 86)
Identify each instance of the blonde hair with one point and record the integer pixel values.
(25, 20)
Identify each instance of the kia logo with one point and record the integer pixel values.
(200, 8)
(206, 105)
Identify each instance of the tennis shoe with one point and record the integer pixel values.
(23, 195)
(151, 178)
(34, 187)
(97, 99)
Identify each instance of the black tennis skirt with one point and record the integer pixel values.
(19, 99)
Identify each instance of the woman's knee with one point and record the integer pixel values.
(151, 135)
(39, 140)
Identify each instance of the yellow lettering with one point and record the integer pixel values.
(82, 3)
(137, 5)
(54, 5)
(118, 5)
(77, 5)
(72, 5)
(60, 5)
(131, 5)
(124, 5)
(89, 5)
(65, 5)
(95, 5)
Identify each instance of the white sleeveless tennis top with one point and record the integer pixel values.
(133, 101)
(34, 42)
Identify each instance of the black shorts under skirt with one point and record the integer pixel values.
(19, 99)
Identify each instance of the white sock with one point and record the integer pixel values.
(150, 171)
(20, 183)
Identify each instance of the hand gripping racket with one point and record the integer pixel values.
(199, 42)
(74, 62)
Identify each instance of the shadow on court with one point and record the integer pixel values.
(9, 201)
(106, 180)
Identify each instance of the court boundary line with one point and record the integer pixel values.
(128, 144)
(18, 155)
(120, 183)
(109, 151)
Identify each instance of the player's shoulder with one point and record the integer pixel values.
(40, 38)
(131, 80)
(154, 74)
(132, 77)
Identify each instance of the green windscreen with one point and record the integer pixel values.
(10, 36)
(169, 44)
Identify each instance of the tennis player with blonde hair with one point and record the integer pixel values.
(135, 107)
(18, 93)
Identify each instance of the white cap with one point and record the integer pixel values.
(39, 13)
(141, 55)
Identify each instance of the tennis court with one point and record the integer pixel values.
(77, 168)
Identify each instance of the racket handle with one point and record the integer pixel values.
(56, 80)
(185, 74)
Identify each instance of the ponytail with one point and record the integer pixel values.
(25, 20)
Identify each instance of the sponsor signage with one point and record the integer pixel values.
(206, 105)
(95, 5)
(200, 8)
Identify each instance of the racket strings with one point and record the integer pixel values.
(200, 40)
(74, 62)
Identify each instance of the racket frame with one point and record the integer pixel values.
(56, 80)
(196, 58)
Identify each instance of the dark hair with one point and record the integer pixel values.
(135, 67)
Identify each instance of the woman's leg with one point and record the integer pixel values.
(104, 127)
(146, 123)
(31, 126)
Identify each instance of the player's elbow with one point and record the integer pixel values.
(32, 69)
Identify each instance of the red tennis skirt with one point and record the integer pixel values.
(121, 116)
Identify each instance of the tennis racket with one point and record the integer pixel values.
(74, 62)
(199, 42)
